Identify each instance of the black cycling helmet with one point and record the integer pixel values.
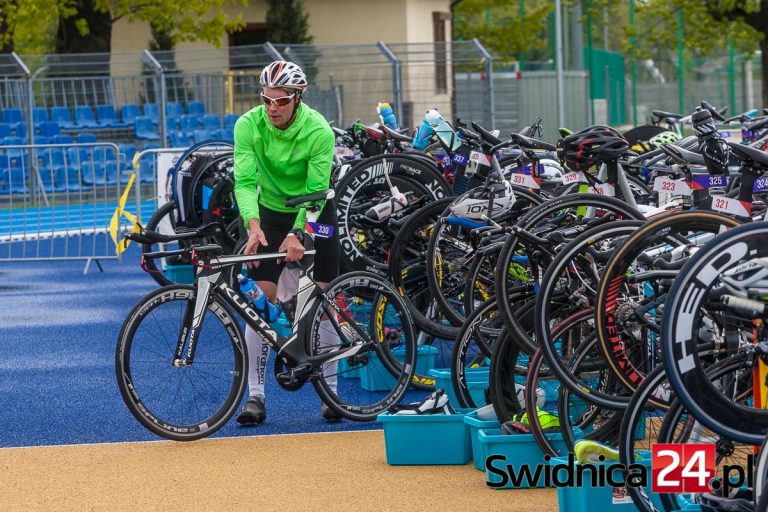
(591, 146)
(741, 501)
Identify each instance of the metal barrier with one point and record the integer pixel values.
(56, 200)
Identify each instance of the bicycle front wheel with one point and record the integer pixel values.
(182, 401)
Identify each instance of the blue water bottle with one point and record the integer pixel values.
(258, 299)
(387, 115)
(423, 136)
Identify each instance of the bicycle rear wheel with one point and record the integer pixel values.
(181, 402)
(381, 326)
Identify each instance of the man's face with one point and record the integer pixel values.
(279, 104)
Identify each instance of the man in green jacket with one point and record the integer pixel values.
(283, 148)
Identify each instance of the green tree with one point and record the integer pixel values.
(707, 26)
(498, 25)
(287, 22)
(86, 25)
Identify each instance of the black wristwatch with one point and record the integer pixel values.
(298, 233)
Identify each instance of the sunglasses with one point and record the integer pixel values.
(280, 102)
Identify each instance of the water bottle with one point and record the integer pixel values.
(263, 306)
(442, 129)
(387, 115)
(423, 136)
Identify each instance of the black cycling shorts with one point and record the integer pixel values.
(277, 225)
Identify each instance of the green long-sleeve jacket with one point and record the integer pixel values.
(284, 163)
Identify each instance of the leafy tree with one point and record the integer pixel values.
(86, 25)
(707, 26)
(497, 24)
(287, 22)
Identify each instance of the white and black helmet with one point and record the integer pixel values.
(474, 203)
(285, 75)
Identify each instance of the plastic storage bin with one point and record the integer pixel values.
(375, 377)
(586, 498)
(182, 274)
(475, 425)
(477, 381)
(429, 439)
(520, 451)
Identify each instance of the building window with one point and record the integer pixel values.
(439, 21)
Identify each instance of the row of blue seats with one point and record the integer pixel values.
(15, 180)
(106, 116)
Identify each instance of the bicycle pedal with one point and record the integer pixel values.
(298, 374)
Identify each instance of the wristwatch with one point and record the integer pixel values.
(298, 233)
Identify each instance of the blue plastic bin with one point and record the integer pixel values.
(375, 377)
(475, 425)
(588, 498)
(520, 451)
(429, 439)
(182, 274)
(477, 381)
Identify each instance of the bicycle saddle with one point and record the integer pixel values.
(683, 156)
(749, 153)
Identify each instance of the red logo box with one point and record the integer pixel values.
(682, 467)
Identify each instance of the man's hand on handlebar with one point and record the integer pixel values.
(293, 247)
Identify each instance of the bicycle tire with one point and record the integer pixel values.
(450, 298)
(407, 269)
(382, 337)
(680, 332)
(362, 187)
(221, 384)
(472, 348)
(549, 306)
(609, 330)
(552, 207)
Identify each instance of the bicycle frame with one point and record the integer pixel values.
(211, 280)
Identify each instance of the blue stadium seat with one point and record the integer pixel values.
(129, 112)
(127, 152)
(63, 138)
(85, 137)
(143, 129)
(211, 122)
(12, 115)
(107, 117)
(230, 119)
(49, 128)
(174, 109)
(42, 139)
(189, 123)
(62, 116)
(20, 130)
(180, 139)
(196, 108)
(39, 116)
(84, 117)
(92, 173)
(152, 112)
(201, 136)
(5, 130)
(104, 154)
(52, 179)
(171, 123)
(227, 134)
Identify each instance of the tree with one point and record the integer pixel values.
(86, 25)
(707, 26)
(287, 22)
(499, 26)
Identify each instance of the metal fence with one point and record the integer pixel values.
(56, 201)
